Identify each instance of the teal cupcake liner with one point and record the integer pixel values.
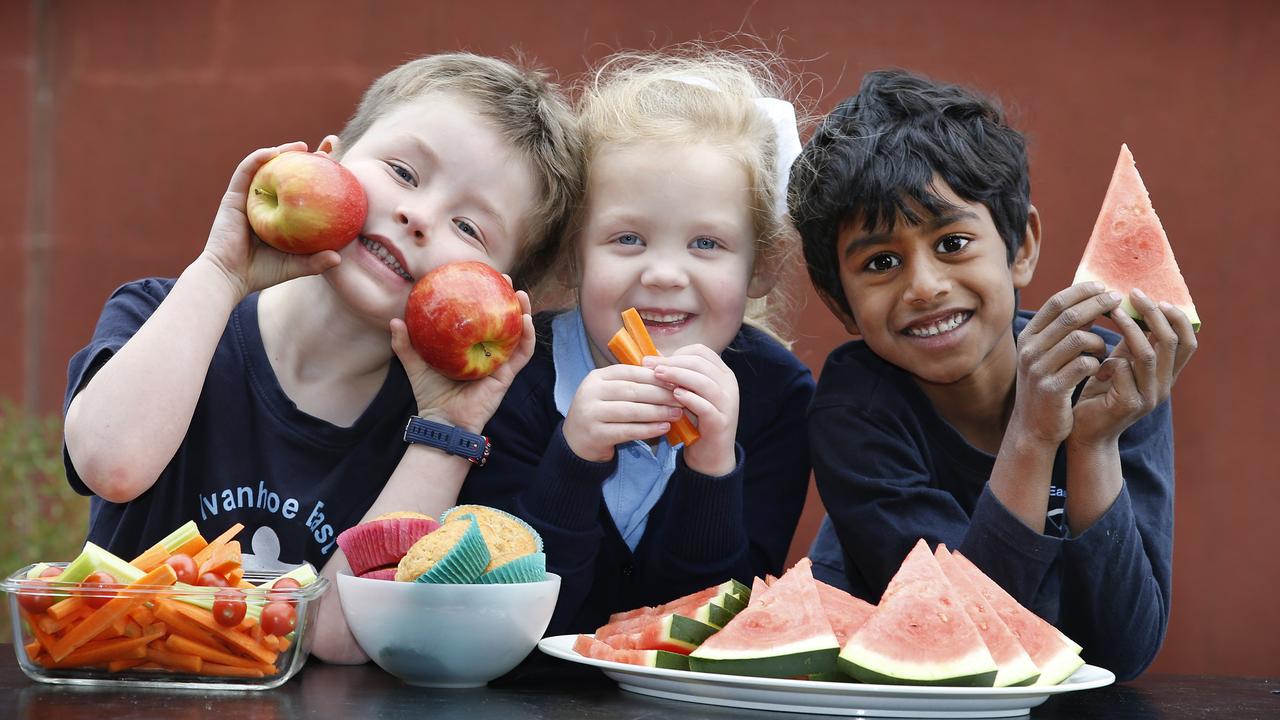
(524, 569)
(464, 562)
(537, 539)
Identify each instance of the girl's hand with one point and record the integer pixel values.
(1138, 375)
(1056, 352)
(468, 404)
(704, 385)
(617, 404)
(247, 263)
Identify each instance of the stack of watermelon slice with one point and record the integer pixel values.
(941, 621)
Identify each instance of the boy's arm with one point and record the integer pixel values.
(126, 423)
(1118, 572)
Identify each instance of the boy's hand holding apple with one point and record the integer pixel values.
(478, 333)
(250, 265)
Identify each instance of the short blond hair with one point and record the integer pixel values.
(526, 108)
(697, 94)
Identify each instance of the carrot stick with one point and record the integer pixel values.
(116, 666)
(150, 558)
(232, 671)
(179, 644)
(225, 558)
(45, 639)
(174, 661)
(101, 618)
(63, 608)
(240, 641)
(180, 624)
(635, 327)
(104, 651)
(627, 349)
(33, 649)
(207, 551)
(192, 546)
(235, 577)
(142, 615)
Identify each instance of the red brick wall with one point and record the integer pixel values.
(152, 104)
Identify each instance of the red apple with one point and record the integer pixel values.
(302, 202)
(464, 319)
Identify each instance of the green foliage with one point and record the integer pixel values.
(43, 519)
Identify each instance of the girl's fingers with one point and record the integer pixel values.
(616, 412)
(403, 349)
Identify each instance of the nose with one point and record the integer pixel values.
(414, 222)
(662, 271)
(927, 280)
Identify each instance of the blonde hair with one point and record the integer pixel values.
(526, 108)
(694, 94)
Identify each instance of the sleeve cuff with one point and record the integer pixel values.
(568, 490)
(993, 524)
(708, 510)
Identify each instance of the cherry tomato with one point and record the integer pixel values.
(51, 571)
(228, 607)
(184, 567)
(212, 580)
(278, 618)
(32, 598)
(103, 587)
(286, 586)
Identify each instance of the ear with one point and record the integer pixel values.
(1028, 254)
(763, 277)
(850, 325)
(329, 145)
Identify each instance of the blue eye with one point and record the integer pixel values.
(467, 228)
(704, 243)
(402, 172)
(952, 243)
(629, 239)
(883, 262)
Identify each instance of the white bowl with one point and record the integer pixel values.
(448, 636)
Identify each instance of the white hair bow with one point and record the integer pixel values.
(787, 136)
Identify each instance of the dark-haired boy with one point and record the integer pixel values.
(959, 419)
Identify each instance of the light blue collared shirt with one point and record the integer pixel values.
(642, 472)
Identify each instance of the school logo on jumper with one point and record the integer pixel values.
(247, 497)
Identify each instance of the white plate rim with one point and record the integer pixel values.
(914, 698)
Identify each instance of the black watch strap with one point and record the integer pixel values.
(451, 439)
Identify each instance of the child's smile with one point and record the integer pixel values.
(935, 298)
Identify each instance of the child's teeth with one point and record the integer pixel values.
(382, 253)
(663, 318)
(941, 326)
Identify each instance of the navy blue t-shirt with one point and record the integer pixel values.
(891, 470)
(250, 455)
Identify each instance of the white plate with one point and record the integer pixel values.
(828, 698)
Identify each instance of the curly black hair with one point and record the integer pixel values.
(875, 157)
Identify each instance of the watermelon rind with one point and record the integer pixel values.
(736, 588)
(1058, 668)
(1085, 275)
(799, 658)
(966, 671)
(686, 631)
(668, 660)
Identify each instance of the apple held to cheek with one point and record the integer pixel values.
(302, 202)
(464, 319)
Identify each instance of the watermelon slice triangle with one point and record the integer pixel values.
(1129, 249)
(920, 633)
(783, 632)
(1015, 666)
(1050, 650)
(845, 612)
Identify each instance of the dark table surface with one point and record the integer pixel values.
(546, 688)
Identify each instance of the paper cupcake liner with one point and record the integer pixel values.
(464, 562)
(379, 543)
(380, 574)
(495, 517)
(524, 569)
